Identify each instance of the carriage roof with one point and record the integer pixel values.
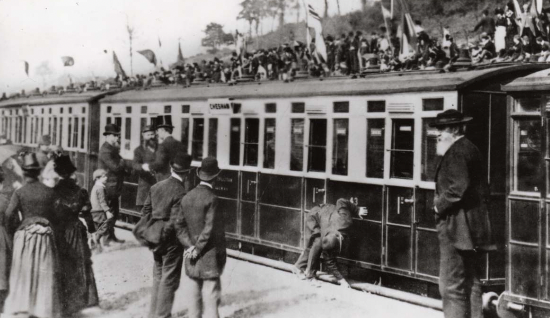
(55, 99)
(538, 81)
(371, 85)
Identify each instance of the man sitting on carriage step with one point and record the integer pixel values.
(327, 227)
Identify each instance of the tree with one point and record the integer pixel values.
(326, 8)
(215, 36)
(251, 11)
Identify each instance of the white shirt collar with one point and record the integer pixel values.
(206, 184)
(174, 175)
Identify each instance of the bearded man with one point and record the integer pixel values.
(144, 154)
(462, 218)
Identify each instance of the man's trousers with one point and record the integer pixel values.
(205, 298)
(166, 280)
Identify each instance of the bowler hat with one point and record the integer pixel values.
(209, 169)
(46, 140)
(450, 117)
(63, 165)
(164, 121)
(30, 162)
(148, 128)
(111, 129)
(181, 162)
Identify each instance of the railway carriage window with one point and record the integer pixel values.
(528, 147)
(50, 126)
(341, 107)
(298, 107)
(251, 141)
(61, 110)
(376, 106)
(24, 130)
(127, 133)
(340, 147)
(83, 110)
(185, 133)
(167, 109)
(212, 137)
(269, 143)
(402, 149)
(32, 130)
(527, 104)
(82, 133)
(69, 135)
(271, 108)
(429, 154)
(142, 123)
(144, 109)
(236, 108)
(70, 110)
(185, 109)
(297, 145)
(109, 120)
(50, 110)
(128, 109)
(75, 133)
(432, 104)
(118, 122)
(54, 131)
(197, 140)
(317, 154)
(235, 142)
(109, 108)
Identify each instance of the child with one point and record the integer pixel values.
(100, 210)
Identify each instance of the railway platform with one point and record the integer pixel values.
(124, 279)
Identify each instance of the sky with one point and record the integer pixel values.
(41, 31)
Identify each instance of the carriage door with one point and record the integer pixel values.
(316, 162)
(527, 244)
(400, 196)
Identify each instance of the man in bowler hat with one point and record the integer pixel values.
(168, 147)
(200, 228)
(144, 154)
(162, 202)
(462, 218)
(111, 161)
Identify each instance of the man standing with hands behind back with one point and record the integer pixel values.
(200, 228)
(462, 218)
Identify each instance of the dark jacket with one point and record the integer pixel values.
(143, 155)
(35, 202)
(6, 242)
(72, 202)
(163, 202)
(111, 161)
(487, 25)
(166, 151)
(460, 197)
(200, 223)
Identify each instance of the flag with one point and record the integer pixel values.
(180, 62)
(315, 23)
(67, 61)
(149, 55)
(408, 35)
(26, 67)
(387, 16)
(160, 44)
(385, 12)
(118, 67)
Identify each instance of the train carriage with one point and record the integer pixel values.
(285, 148)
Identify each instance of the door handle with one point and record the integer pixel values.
(316, 191)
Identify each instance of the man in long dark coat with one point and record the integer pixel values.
(167, 149)
(111, 161)
(144, 154)
(200, 228)
(462, 218)
(163, 202)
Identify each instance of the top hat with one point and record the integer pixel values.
(332, 242)
(450, 117)
(148, 128)
(30, 162)
(181, 162)
(464, 59)
(63, 165)
(46, 140)
(209, 169)
(163, 121)
(111, 129)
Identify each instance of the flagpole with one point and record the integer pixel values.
(391, 8)
(386, 24)
(308, 36)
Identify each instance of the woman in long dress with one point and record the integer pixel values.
(6, 244)
(78, 287)
(500, 33)
(33, 280)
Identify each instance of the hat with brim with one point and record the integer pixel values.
(450, 117)
(30, 163)
(147, 128)
(209, 169)
(164, 121)
(111, 129)
(181, 162)
(63, 165)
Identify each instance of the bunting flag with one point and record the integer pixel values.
(385, 12)
(67, 61)
(408, 35)
(26, 67)
(180, 62)
(387, 16)
(315, 23)
(118, 67)
(149, 55)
